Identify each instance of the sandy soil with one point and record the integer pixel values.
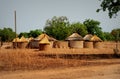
(88, 72)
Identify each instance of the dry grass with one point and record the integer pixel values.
(22, 59)
(30, 59)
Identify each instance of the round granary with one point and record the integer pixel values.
(76, 44)
(97, 44)
(88, 44)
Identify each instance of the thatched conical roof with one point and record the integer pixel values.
(75, 37)
(96, 39)
(30, 38)
(40, 37)
(44, 40)
(16, 40)
(23, 39)
(88, 37)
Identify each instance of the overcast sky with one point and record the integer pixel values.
(32, 14)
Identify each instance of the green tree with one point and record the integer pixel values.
(116, 34)
(57, 27)
(78, 28)
(34, 33)
(7, 34)
(113, 7)
(25, 34)
(93, 27)
(108, 36)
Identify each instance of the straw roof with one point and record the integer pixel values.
(44, 40)
(16, 40)
(40, 37)
(30, 38)
(23, 39)
(75, 37)
(96, 39)
(88, 37)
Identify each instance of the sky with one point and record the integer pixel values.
(32, 14)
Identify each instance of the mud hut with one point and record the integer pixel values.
(61, 44)
(96, 42)
(16, 42)
(23, 42)
(87, 41)
(75, 41)
(34, 43)
(44, 44)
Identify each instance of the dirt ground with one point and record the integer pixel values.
(111, 71)
(92, 71)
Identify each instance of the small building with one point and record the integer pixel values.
(96, 42)
(87, 41)
(34, 43)
(75, 41)
(20, 43)
(44, 44)
(23, 42)
(16, 42)
(60, 44)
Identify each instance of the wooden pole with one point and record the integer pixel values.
(15, 29)
(15, 24)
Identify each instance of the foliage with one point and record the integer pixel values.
(57, 27)
(32, 33)
(108, 36)
(7, 34)
(25, 34)
(113, 7)
(116, 34)
(79, 28)
(93, 28)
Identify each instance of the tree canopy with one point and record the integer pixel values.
(93, 27)
(78, 28)
(60, 28)
(116, 34)
(57, 27)
(112, 6)
(7, 34)
(32, 33)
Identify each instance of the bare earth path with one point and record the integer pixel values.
(87, 72)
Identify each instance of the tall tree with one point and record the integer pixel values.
(113, 7)
(78, 28)
(93, 27)
(57, 27)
